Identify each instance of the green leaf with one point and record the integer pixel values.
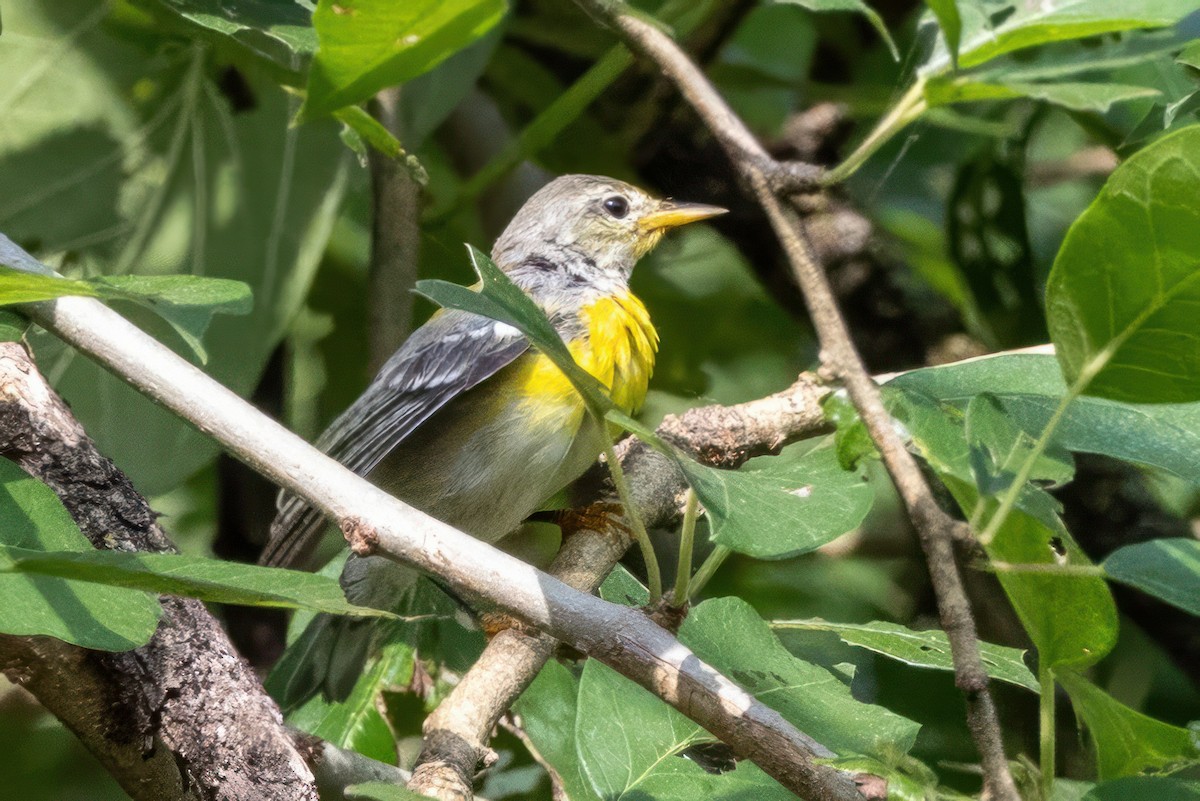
(1127, 742)
(629, 745)
(950, 21)
(366, 45)
(548, 711)
(191, 576)
(1122, 296)
(779, 507)
(498, 298)
(357, 723)
(856, 6)
(1069, 615)
(1167, 569)
(926, 649)
(993, 27)
(279, 30)
(187, 302)
(101, 618)
(729, 635)
(179, 176)
(1077, 96)
(18, 286)
(1029, 388)
(381, 791)
(1145, 788)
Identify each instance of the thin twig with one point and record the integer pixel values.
(936, 530)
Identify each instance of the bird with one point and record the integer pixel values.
(470, 423)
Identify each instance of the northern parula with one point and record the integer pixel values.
(471, 425)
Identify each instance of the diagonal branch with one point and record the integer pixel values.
(936, 529)
(375, 522)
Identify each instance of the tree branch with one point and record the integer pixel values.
(375, 522)
(182, 717)
(935, 528)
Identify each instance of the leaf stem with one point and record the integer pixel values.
(653, 574)
(910, 106)
(687, 536)
(707, 568)
(1046, 731)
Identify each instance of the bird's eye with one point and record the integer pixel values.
(617, 206)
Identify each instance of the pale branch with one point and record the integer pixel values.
(458, 731)
(181, 718)
(375, 522)
(936, 530)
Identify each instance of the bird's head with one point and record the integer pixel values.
(592, 226)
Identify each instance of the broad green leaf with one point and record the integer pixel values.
(1127, 742)
(102, 618)
(1122, 296)
(1071, 617)
(366, 45)
(858, 7)
(927, 649)
(357, 723)
(993, 27)
(548, 711)
(630, 746)
(778, 507)
(1077, 96)
(184, 180)
(279, 30)
(729, 635)
(1167, 569)
(381, 791)
(18, 286)
(1029, 388)
(1145, 788)
(198, 577)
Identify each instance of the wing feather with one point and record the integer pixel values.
(447, 356)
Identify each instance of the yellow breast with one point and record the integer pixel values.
(618, 349)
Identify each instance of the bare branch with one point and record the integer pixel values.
(936, 530)
(183, 717)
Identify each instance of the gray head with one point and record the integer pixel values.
(589, 227)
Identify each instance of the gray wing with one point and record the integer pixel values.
(447, 356)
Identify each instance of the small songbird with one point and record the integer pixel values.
(470, 424)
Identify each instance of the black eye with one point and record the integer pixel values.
(617, 206)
